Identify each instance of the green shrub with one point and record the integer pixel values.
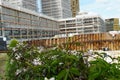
(26, 62)
(100, 69)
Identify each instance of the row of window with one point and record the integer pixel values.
(18, 24)
(17, 20)
(27, 33)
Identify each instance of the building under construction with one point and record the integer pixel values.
(74, 7)
(83, 23)
(24, 24)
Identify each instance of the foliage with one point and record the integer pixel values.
(26, 62)
(13, 43)
(20, 61)
(100, 69)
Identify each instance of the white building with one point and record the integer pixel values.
(29, 4)
(24, 24)
(57, 8)
(21, 23)
(82, 23)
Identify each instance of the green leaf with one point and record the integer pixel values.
(61, 75)
(93, 76)
(75, 71)
(67, 73)
(13, 43)
(55, 62)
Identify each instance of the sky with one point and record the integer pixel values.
(39, 5)
(105, 8)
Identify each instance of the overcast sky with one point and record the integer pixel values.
(105, 8)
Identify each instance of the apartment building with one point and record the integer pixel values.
(29, 4)
(112, 24)
(24, 24)
(82, 23)
(74, 7)
(56, 8)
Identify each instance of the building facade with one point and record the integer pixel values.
(112, 24)
(82, 23)
(56, 8)
(23, 24)
(74, 7)
(29, 4)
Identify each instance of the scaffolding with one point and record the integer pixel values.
(74, 7)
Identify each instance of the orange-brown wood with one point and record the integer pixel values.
(96, 41)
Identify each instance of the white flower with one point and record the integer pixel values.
(55, 56)
(52, 78)
(60, 63)
(18, 71)
(36, 61)
(49, 79)
(74, 52)
(17, 56)
(45, 78)
(14, 49)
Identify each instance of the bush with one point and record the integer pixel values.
(26, 62)
(100, 69)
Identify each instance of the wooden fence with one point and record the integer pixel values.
(97, 41)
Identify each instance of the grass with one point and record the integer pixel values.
(3, 58)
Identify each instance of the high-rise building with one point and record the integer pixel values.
(112, 24)
(29, 4)
(74, 7)
(56, 8)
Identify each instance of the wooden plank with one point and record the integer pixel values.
(90, 41)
